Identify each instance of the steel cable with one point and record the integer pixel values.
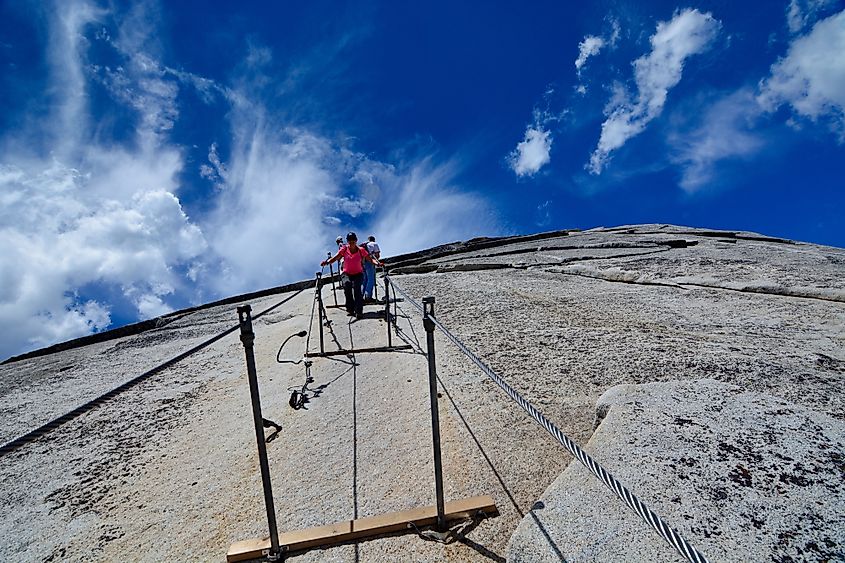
(672, 536)
(93, 403)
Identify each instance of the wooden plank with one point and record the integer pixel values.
(363, 527)
(381, 303)
(358, 351)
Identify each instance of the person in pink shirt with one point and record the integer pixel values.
(353, 257)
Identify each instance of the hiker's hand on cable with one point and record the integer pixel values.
(323, 263)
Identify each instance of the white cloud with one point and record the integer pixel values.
(351, 206)
(688, 33)
(215, 170)
(150, 305)
(58, 232)
(273, 220)
(84, 219)
(801, 13)
(725, 131)
(591, 45)
(79, 214)
(811, 77)
(532, 153)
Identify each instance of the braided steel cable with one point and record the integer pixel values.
(33, 435)
(672, 536)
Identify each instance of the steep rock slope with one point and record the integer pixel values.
(639, 314)
(568, 317)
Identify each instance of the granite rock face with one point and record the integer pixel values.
(703, 368)
(751, 476)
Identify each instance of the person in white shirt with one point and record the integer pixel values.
(369, 269)
(339, 242)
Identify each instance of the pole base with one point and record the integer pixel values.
(363, 528)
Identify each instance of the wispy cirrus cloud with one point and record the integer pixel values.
(286, 192)
(90, 222)
(543, 214)
(809, 79)
(141, 81)
(727, 129)
(289, 192)
(688, 33)
(78, 214)
(443, 209)
(69, 119)
(801, 13)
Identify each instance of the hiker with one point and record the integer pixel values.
(339, 242)
(369, 270)
(354, 258)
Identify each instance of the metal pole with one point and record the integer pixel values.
(375, 287)
(428, 312)
(320, 306)
(387, 308)
(334, 281)
(248, 337)
(395, 314)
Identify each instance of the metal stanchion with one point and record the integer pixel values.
(428, 312)
(334, 281)
(375, 288)
(320, 306)
(387, 307)
(248, 338)
(395, 313)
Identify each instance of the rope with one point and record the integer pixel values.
(672, 536)
(93, 403)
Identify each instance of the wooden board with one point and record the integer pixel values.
(358, 351)
(363, 527)
(380, 303)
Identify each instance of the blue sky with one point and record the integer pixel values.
(156, 155)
